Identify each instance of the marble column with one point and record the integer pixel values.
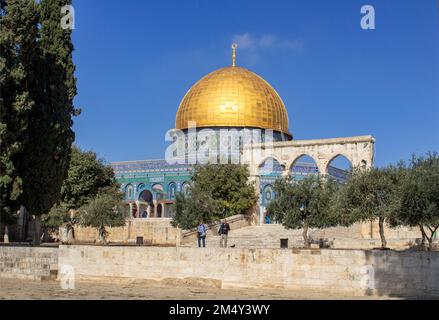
(131, 210)
(155, 208)
(148, 211)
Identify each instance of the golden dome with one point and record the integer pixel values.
(233, 97)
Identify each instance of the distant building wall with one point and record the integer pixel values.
(356, 272)
(156, 231)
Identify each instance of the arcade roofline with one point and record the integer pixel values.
(313, 142)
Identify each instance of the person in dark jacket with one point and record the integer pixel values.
(202, 231)
(223, 231)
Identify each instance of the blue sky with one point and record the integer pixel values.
(136, 60)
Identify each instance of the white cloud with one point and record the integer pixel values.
(244, 41)
(250, 42)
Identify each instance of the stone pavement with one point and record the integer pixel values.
(25, 289)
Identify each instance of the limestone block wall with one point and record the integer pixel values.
(34, 263)
(357, 272)
(355, 231)
(367, 230)
(394, 244)
(396, 233)
(157, 231)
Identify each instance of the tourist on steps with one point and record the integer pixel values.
(202, 230)
(223, 232)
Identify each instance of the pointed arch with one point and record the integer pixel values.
(271, 166)
(129, 191)
(303, 165)
(172, 190)
(146, 196)
(339, 166)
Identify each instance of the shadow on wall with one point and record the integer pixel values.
(406, 274)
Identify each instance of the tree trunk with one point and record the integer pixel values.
(432, 237)
(383, 238)
(305, 235)
(102, 236)
(6, 235)
(430, 243)
(424, 237)
(70, 237)
(36, 238)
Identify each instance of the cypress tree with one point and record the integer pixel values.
(46, 154)
(18, 40)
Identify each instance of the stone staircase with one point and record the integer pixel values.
(268, 237)
(265, 236)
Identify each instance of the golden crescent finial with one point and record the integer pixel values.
(234, 46)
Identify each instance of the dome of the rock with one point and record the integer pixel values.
(233, 97)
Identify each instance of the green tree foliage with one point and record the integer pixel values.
(105, 210)
(46, 154)
(38, 87)
(58, 216)
(87, 177)
(304, 203)
(418, 197)
(368, 196)
(18, 60)
(217, 191)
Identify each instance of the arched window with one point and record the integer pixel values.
(172, 189)
(129, 191)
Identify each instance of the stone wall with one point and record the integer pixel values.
(34, 263)
(156, 231)
(357, 272)
(366, 235)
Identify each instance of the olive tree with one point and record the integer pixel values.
(304, 204)
(87, 176)
(368, 196)
(216, 192)
(105, 210)
(418, 198)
